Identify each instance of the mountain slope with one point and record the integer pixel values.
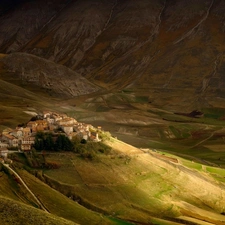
(54, 78)
(137, 186)
(25, 20)
(153, 62)
(145, 58)
(157, 45)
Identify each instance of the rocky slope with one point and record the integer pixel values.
(57, 79)
(22, 20)
(166, 54)
(161, 46)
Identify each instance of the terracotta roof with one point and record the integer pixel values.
(41, 121)
(26, 129)
(9, 136)
(31, 122)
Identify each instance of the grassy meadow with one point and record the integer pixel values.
(135, 186)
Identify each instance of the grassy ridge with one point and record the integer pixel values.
(17, 213)
(60, 205)
(129, 185)
(136, 186)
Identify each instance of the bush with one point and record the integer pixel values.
(88, 154)
(90, 149)
(105, 136)
(63, 143)
(83, 141)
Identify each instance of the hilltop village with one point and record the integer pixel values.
(22, 138)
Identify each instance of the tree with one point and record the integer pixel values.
(39, 143)
(59, 143)
(43, 141)
(83, 141)
(63, 143)
(48, 142)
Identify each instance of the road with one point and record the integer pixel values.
(28, 189)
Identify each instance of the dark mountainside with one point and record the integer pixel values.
(151, 72)
(55, 78)
(171, 50)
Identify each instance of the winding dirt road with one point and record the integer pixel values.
(28, 189)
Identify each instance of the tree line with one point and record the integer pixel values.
(60, 142)
(49, 141)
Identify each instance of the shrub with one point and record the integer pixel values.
(88, 154)
(105, 136)
(83, 141)
(90, 149)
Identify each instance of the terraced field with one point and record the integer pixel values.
(141, 186)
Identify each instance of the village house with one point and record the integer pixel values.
(25, 147)
(18, 132)
(72, 135)
(7, 130)
(11, 140)
(67, 129)
(28, 140)
(94, 137)
(26, 131)
(79, 128)
(41, 125)
(85, 135)
(46, 114)
(23, 137)
(33, 126)
(83, 132)
(4, 153)
(50, 120)
(56, 117)
(4, 144)
(52, 127)
(66, 121)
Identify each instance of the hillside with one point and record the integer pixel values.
(13, 212)
(161, 48)
(128, 184)
(151, 73)
(133, 68)
(53, 78)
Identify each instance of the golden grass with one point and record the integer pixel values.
(131, 182)
(60, 205)
(17, 213)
